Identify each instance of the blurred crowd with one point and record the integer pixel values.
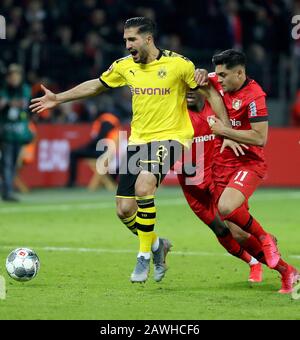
(62, 43)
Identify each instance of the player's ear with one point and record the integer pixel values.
(240, 72)
(149, 38)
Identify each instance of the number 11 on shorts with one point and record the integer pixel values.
(241, 175)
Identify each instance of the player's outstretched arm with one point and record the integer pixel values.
(49, 100)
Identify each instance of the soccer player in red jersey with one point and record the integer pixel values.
(236, 178)
(198, 187)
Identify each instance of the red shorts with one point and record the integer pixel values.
(244, 178)
(200, 199)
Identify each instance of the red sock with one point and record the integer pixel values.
(244, 220)
(233, 248)
(282, 266)
(254, 248)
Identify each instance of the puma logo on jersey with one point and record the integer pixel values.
(132, 72)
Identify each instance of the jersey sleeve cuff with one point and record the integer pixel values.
(104, 83)
(259, 119)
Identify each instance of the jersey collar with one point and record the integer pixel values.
(246, 82)
(159, 54)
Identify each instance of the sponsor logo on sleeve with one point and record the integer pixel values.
(253, 109)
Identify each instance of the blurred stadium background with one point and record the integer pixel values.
(86, 36)
(62, 43)
(52, 39)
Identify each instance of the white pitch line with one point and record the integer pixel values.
(56, 208)
(83, 206)
(109, 251)
(122, 251)
(108, 205)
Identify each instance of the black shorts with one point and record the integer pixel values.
(155, 157)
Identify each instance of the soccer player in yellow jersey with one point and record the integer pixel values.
(160, 127)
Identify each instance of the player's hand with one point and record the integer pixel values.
(235, 146)
(48, 101)
(216, 125)
(201, 77)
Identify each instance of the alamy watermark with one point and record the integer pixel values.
(296, 28)
(155, 157)
(2, 27)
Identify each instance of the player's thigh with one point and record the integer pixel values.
(126, 206)
(245, 180)
(230, 200)
(128, 173)
(125, 197)
(159, 157)
(146, 184)
(201, 202)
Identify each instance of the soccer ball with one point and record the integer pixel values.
(22, 264)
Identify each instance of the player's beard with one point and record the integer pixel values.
(143, 56)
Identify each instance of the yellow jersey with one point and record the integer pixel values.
(158, 96)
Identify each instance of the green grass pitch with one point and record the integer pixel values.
(87, 256)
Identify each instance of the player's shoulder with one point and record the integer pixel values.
(253, 89)
(174, 56)
(123, 60)
(120, 64)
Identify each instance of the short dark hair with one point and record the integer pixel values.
(144, 24)
(229, 58)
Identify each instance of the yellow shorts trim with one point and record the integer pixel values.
(145, 197)
(125, 196)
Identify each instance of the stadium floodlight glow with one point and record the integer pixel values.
(296, 29)
(2, 27)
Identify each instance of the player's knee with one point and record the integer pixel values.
(218, 227)
(125, 209)
(225, 208)
(145, 185)
(141, 192)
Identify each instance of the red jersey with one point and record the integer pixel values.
(244, 106)
(201, 155)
